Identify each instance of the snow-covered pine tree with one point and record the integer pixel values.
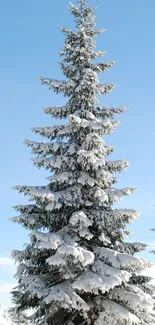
(77, 268)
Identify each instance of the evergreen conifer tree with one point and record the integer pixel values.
(77, 268)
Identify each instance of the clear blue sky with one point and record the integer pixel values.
(30, 42)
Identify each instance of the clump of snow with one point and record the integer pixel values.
(91, 282)
(66, 297)
(116, 314)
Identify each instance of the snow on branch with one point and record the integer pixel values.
(89, 113)
(75, 123)
(71, 178)
(56, 163)
(115, 195)
(56, 148)
(32, 221)
(47, 240)
(117, 165)
(66, 253)
(97, 54)
(100, 127)
(66, 297)
(122, 261)
(102, 67)
(113, 216)
(52, 132)
(114, 311)
(103, 269)
(93, 142)
(135, 299)
(66, 87)
(104, 88)
(94, 283)
(81, 223)
(108, 112)
(28, 208)
(59, 111)
(130, 248)
(89, 160)
(66, 30)
(41, 192)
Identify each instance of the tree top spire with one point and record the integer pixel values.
(81, 11)
(82, 1)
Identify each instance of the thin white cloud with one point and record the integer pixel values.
(7, 264)
(6, 287)
(6, 261)
(151, 244)
(5, 296)
(7, 270)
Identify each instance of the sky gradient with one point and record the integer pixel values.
(30, 42)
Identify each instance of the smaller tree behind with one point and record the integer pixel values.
(153, 251)
(18, 318)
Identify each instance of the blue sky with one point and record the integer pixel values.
(30, 42)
